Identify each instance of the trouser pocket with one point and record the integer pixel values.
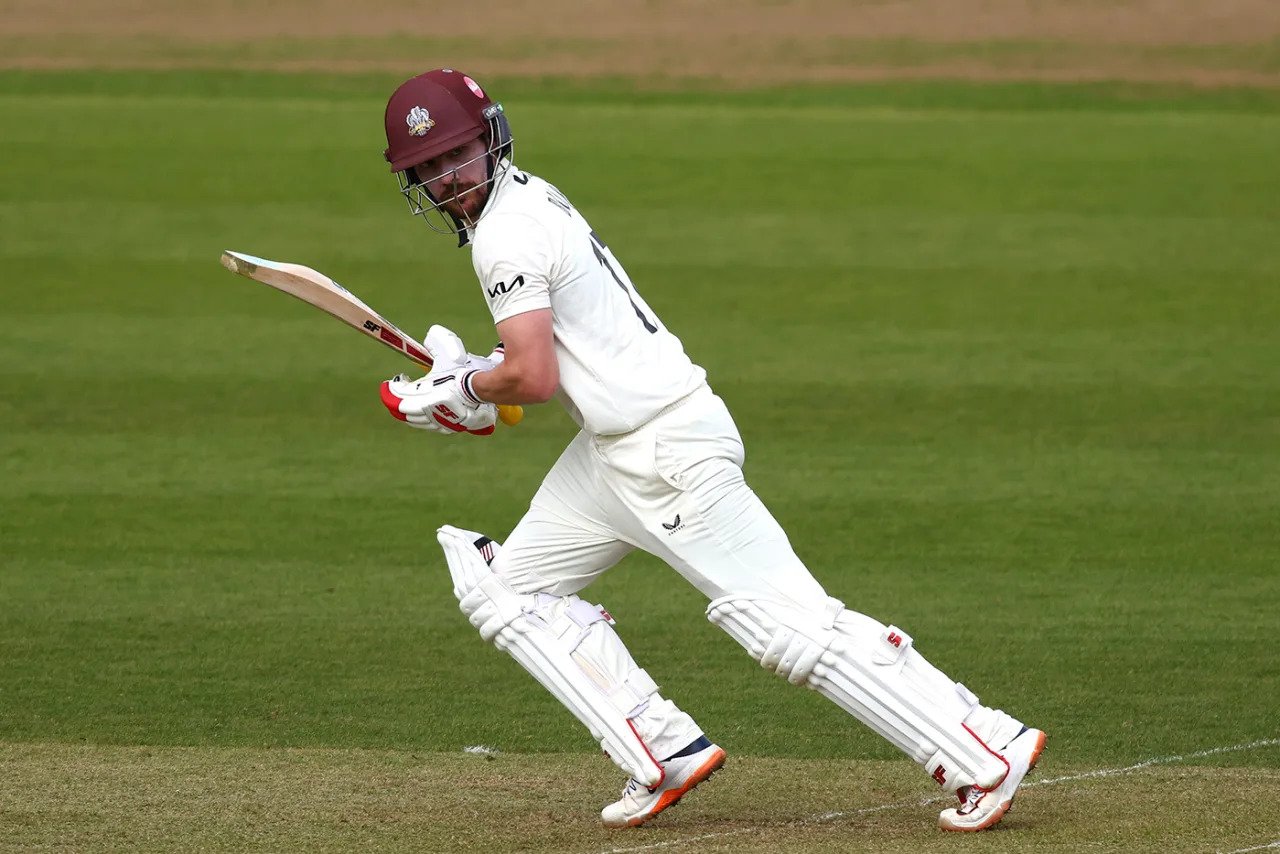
(689, 451)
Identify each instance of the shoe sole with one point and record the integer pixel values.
(671, 797)
(999, 812)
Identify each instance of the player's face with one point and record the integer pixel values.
(458, 179)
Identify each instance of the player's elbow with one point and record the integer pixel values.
(537, 380)
(541, 386)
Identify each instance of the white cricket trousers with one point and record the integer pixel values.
(674, 488)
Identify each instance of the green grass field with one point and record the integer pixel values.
(1005, 359)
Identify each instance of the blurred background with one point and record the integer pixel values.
(653, 41)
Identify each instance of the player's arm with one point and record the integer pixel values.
(529, 373)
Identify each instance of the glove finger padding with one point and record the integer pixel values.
(391, 399)
(433, 423)
(404, 398)
(481, 420)
(445, 347)
(436, 404)
(477, 423)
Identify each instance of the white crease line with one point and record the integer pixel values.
(1088, 775)
(1275, 844)
(1159, 760)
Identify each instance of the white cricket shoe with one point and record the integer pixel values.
(681, 772)
(982, 809)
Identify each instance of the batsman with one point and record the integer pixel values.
(656, 465)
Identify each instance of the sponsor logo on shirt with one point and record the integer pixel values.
(505, 287)
(674, 525)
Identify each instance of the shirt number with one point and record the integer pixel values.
(598, 247)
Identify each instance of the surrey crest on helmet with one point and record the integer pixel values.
(419, 122)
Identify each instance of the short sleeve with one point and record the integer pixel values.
(512, 256)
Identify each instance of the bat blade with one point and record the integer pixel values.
(317, 289)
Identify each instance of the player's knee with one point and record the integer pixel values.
(520, 570)
(515, 573)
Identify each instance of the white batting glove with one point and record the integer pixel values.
(438, 402)
(495, 358)
(448, 351)
(445, 347)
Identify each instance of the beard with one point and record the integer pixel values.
(465, 203)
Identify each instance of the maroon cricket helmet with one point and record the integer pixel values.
(438, 111)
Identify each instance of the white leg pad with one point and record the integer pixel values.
(870, 671)
(568, 645)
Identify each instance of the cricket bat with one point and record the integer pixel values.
(327, 295)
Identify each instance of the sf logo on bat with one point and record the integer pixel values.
(391, 338)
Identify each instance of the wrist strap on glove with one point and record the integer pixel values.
(467, 391)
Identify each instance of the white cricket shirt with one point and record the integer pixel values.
(619, 366)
